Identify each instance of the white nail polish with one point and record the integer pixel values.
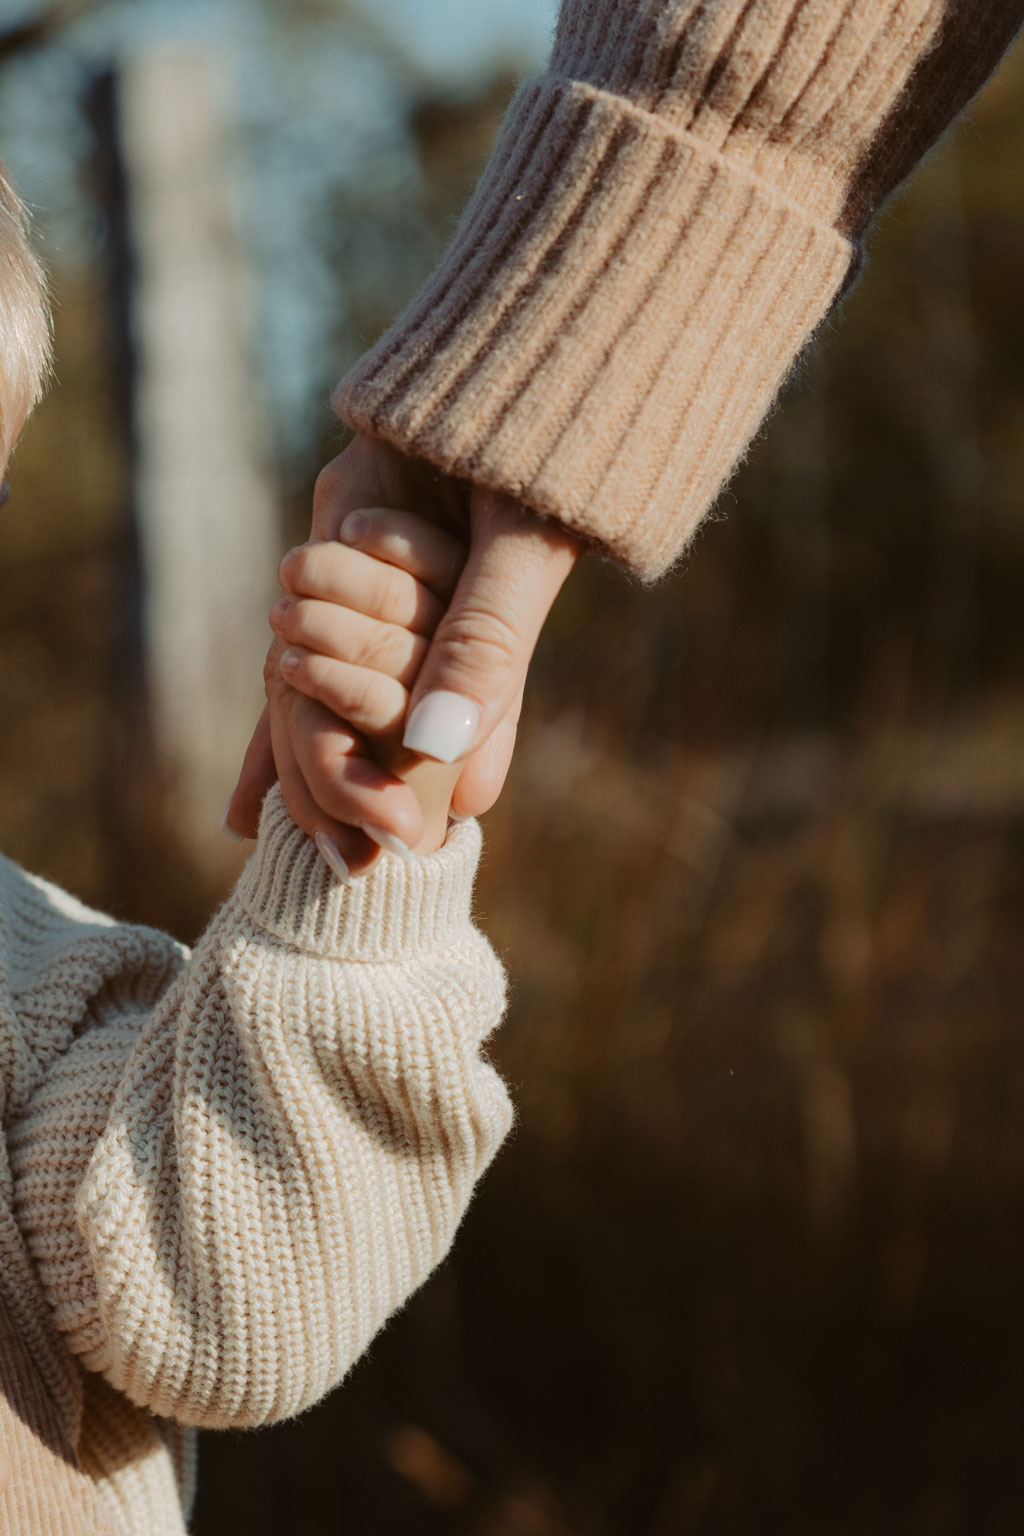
(331, 856)
(442, 725)
(387, 840)
(224, 823)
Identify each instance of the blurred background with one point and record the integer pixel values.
(753, 1261)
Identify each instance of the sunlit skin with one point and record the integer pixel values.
(514, 567)
(350, 635)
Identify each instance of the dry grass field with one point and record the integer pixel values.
(753, 1262)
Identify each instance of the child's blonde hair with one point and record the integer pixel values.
(24, 320)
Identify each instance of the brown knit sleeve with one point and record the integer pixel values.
(670, 211)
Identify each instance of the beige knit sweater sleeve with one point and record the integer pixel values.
(670, 211)
(229, 1172)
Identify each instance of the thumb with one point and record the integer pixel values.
(483, 777)
(482, 647)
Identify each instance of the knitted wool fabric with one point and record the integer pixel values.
(670, 212)
(222, 1174)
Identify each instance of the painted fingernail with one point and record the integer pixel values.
(279, 610)
(355, 527)
(442, 725)
(331, 855)
(387, 840)
(224, 823)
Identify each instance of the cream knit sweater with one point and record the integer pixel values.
(221, 1174)
(670, 212)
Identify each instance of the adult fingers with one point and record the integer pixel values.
(477, 661)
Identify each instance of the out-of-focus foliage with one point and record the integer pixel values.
(753, 1261)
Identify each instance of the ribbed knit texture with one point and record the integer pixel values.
(669, 213)
(225, 1172)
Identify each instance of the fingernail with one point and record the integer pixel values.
(442, 725)
(289, 660)
(279, 610)
(331, 855)
(454, 816)
(354, 528)
(387, 840)
(224, 823)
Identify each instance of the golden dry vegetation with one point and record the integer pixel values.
(753, 1262)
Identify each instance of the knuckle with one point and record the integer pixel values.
(479, 641)
(361, 695)
(380, 650)
(385, 591)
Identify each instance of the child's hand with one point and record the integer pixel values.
(351, 635)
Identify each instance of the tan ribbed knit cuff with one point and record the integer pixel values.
(398, 908)
(611, 323)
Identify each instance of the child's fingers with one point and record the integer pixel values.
(349, 636)
(368, 701)
(346, 786)
(357, 851)
(335, 574)
(431, 554)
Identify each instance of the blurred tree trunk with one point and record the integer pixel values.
(205, 514)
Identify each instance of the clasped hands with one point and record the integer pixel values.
(437, 627)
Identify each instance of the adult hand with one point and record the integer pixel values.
(466, 700)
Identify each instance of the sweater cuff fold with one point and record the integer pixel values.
(399, 907)
(614, 316)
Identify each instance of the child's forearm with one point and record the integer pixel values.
(226, 1204)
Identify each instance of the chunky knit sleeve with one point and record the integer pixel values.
(669, 212)
(226, 1193)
